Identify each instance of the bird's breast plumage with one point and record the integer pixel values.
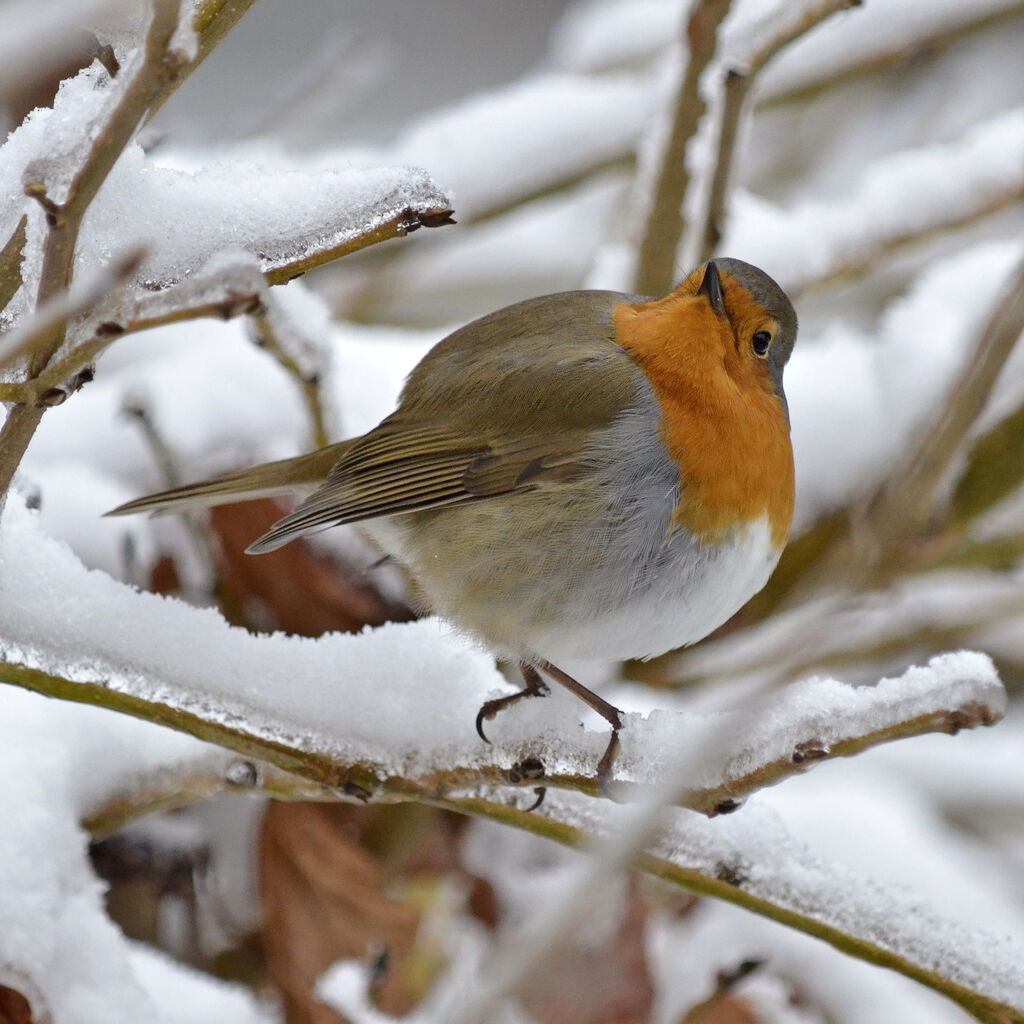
(720, 417)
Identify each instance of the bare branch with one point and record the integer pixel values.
(910, 501)
(665, 220)
(54, 316)
(736, 88)
(269, 338)
(10, 263)
(64, 220)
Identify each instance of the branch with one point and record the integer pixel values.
(736, 87)
(213, 20)
(55, 315)
(994, 470)
(909, 503)
(760, 754)
(269, 336)
(10, 263)
(280, 270)
(64, 220)
(665, 219)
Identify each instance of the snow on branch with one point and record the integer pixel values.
(187, 668)
(739, 79)
(315, 708)
(901, 199)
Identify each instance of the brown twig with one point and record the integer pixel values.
(64, 219)
(59, 311)
(10, 263)
(268, 338)
(213, 20)
(398, 226)
(373, 781)
(911, 500)
(364, 782)
(665, 222)
(736, 88)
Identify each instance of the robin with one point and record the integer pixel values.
(587, 475)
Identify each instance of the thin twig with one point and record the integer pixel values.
(309, 384)
(665, 223)
(10, 263)
(910, 502)
(57, 312)
(64, 220)
(883, 247)
(399, 226)
(213, 20)
(993, 471)
(736, 88)
(373, 781)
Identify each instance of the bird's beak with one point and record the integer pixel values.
(711, 286)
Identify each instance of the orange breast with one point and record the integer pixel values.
(721, 420)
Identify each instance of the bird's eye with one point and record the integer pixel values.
(761, 341)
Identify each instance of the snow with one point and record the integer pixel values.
(191, 660)
(901, 195)
(767, 862)
(857, 397)
(56, 938)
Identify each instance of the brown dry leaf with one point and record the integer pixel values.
(329, 875)
(14, 1007)
(298, 589)
(724, 1006)
(722, 1010)
(605, 984)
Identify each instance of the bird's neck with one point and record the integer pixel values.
(721, 422)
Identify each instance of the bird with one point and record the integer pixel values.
(578, 476)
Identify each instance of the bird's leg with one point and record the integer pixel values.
(608, 712)
(535, 687)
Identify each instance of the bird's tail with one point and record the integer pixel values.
(272, 478)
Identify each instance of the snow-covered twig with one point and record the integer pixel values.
(10, 263)
(211, 22)
(911, 500)
(736, 87)
(64, 215)
(274, 331)
(64, 307)
(760, 747)
(663, 226)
